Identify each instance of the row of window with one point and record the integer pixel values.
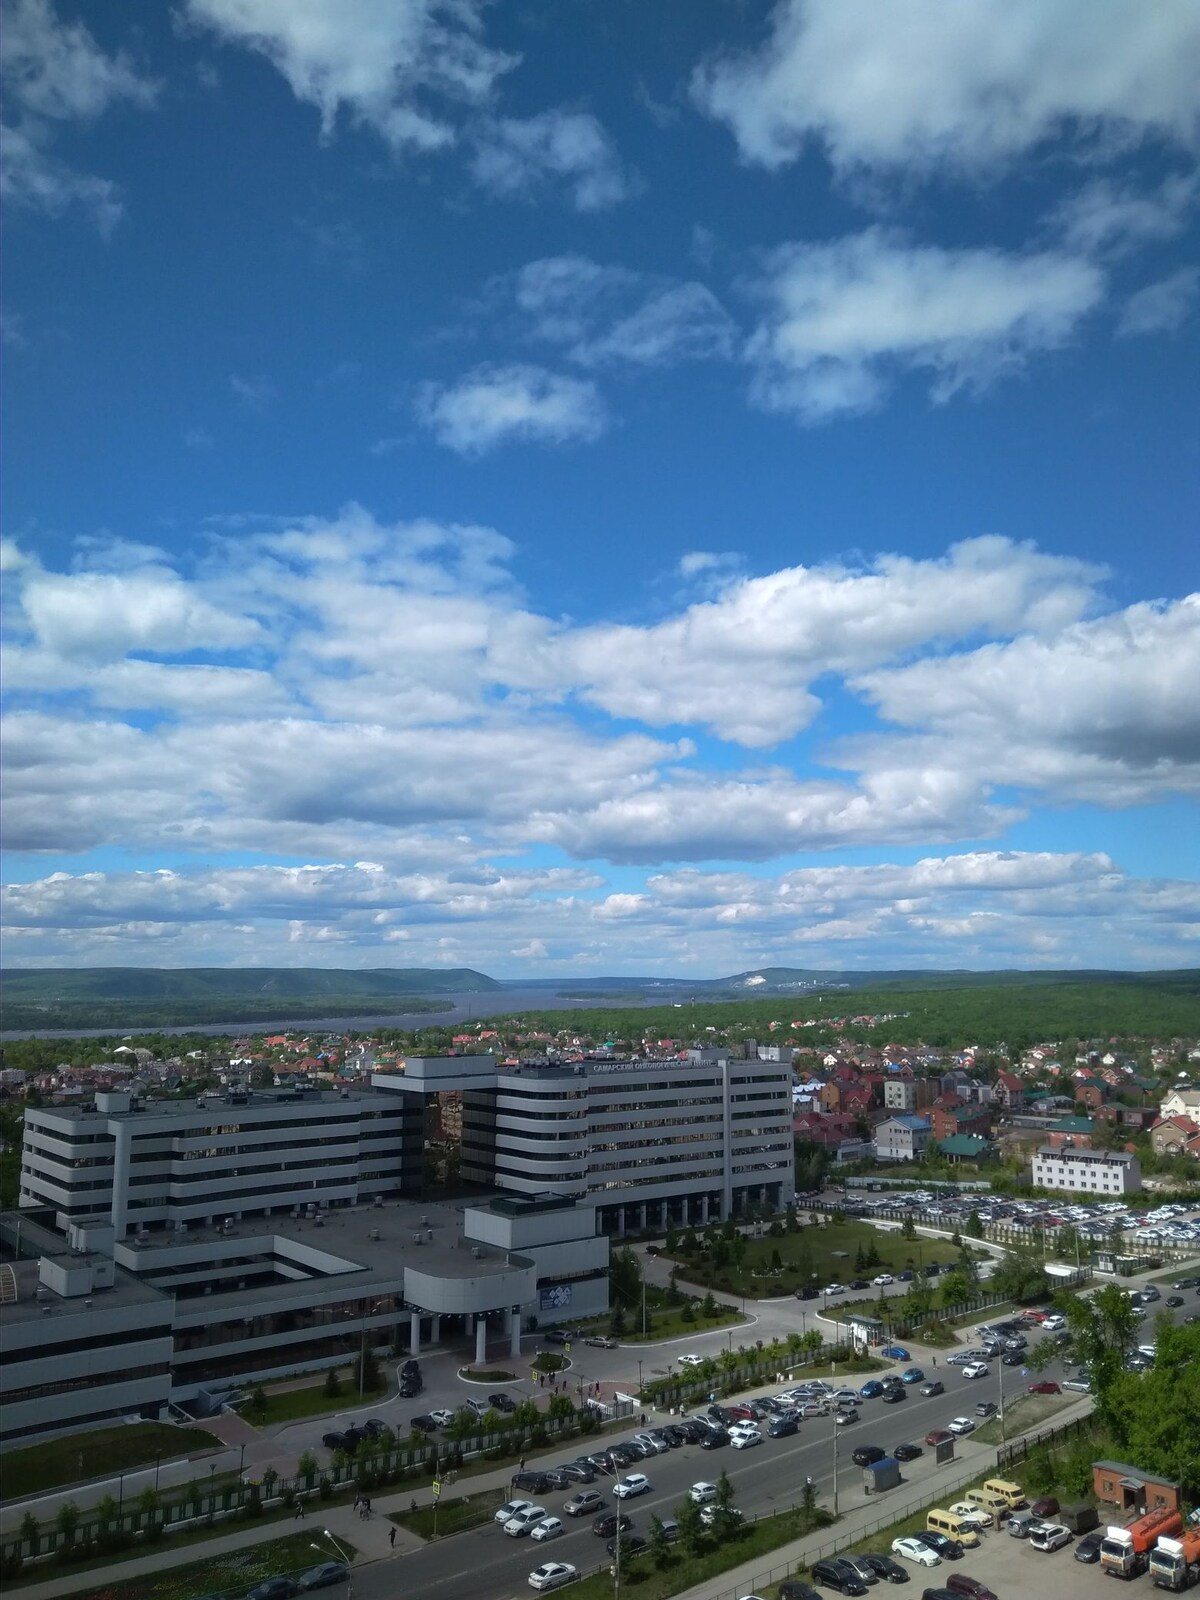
(39, 1391)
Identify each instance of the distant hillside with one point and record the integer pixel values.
(96, 997)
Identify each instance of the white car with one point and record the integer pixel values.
(835, 1288)
(1049, 1536)
(744, 1438)
(701, 1493)
(510, 1509)
(882, 1280)
(968, 1511)
(976, 1369)
(961, 1425)
(443, 1418)
(710, 1513)
(636, 1483)
(1053, 1323)
(552, 1575)
(547, 1528)
(521, 1521)
(914, 1550)
(691, 1361)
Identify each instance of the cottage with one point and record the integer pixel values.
(1133, 1491)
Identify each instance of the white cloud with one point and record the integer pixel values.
(937, 86)
(54, 73)
(1161, 307)
(253, 394)
(101, 616)
(515, 157)
(494, 405)
(399, 67)
(611, 315)
(846, 318)
(1105, 711)
(1104, 218)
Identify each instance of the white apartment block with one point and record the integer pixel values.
(902, 1138)
(1098, 1172)
(900, 1094)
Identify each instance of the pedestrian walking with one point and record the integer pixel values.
(299, 1509)
(392, 1536)
(522, 1463)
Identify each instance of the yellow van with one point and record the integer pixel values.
(953, 1527)
(1011, 1493)
(986, 1500)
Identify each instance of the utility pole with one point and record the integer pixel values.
(835, 1466)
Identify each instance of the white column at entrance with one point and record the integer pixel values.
(414, 1334)
(480, 1341)
(514, 1331)
(704, 1209)
(435, 1328)
(641, 1219)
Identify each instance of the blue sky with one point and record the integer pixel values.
(608, 487)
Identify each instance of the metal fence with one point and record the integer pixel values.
(1010, 1454)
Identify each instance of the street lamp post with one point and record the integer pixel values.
(835, 1467)
(342, 1552)
(616, 1539)
(639, 1380)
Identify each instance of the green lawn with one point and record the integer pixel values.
(453, 1516)
(80, 1456)
(231, 1574)
(1023, 1412)
(822, 1253)
(640, 1576)
(289, 1405)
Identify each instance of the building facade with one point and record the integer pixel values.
(902, 1139)
(1084, 1171)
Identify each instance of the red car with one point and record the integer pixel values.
(1045, 1388)
(938, 1436)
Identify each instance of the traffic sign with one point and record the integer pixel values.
(567, 1347)
(437, 1488)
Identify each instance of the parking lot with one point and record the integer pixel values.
(1013, 1570)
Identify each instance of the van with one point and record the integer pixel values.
(995, 1504)
(1011, 1493)
(953, 1527)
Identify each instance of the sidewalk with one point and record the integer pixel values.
(859, 1513)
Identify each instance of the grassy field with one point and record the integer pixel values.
(666, 1322)
(453, 1516)
(231, 1574)
(1022, 1413)
(640, 1576)
(290, 1405)
(80, 1456)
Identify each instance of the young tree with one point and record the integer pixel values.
(333, 1384)
(908, 1229)
(560, 1406)
(616, 1322)
(974, 1226)
(691, 1528)
(625, 1277)
(660, 1547)
(31, 1534)
(368, 1375)
(67, 1520)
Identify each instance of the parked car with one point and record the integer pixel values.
(968, 1511)
(714, 1439)
(869, 1391)
(893, 1393)
(341, 1441)
(963, 1583)
(937, 1436)
(1173, 1300)
(1045, 1388)
(709, 1515)
(631, 1543)
(557, 1336)
(986, 1408)
(1050, 1536)
(601, 1341)
(274, 1589)
(907, 1452)
(532, 1482)
(510, 1509)
(1088, 1548)
(522, 1521)
(552, 1575)
(1045, 1507)
(961, 1425)
(837, 1575)
(884, 1567)
(895, 1352)
(547, 1528)
(911, 1548)
(912, 1375)
(861, 1568)
(324, 1576)
(783, 1425)
(867, 1454)
(949, 1549)
(502, 1402)
(795, 1589)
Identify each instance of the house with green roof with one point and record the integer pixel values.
(966, 1147)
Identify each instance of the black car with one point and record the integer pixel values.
(907, 1452)
(502, 1402)
(631, 1543)
(1088, 1548)
(374, 1429)
(948, 1549)
(274, 1589)
(338, 1441)
(782, 1426)
(938, 1594)
(410, 1388)
(674, 1435)
(1186, 1283)
(411, 1368)
(1174, 1300)
(796, 1589)
(581, 1471)
(905, 1277)
(324, 1576)
(424, 1424)
(808, 1293)
(887, 1569)
(837, 1575)
(532, 1483)
(692, 1430)
(714, 1439)
(858, 1283)
(356, 1436)
(866, 1455)
(605, 1525)
(1014, 1358)
(894, 1392)
(932, 1270)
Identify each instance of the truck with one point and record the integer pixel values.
(1125, 1552)
(1175, 1563)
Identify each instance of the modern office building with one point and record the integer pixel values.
(1085, 1171)
(246, 1235)
(648, 1143)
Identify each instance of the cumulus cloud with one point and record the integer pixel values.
(845, 319)
(1106, 218)
(517, 157)
(54, 74)
(495, 405)
(402, 68)
(1160, 307)
(936, 87)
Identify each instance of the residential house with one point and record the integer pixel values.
(1090, 1092)
(1102, 1173)
(966, 1147)
(1182, 1102)
(1008, 1091)
(946, 1120)
(902, 1138)
(1170, 1136)
(1075, 1131)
